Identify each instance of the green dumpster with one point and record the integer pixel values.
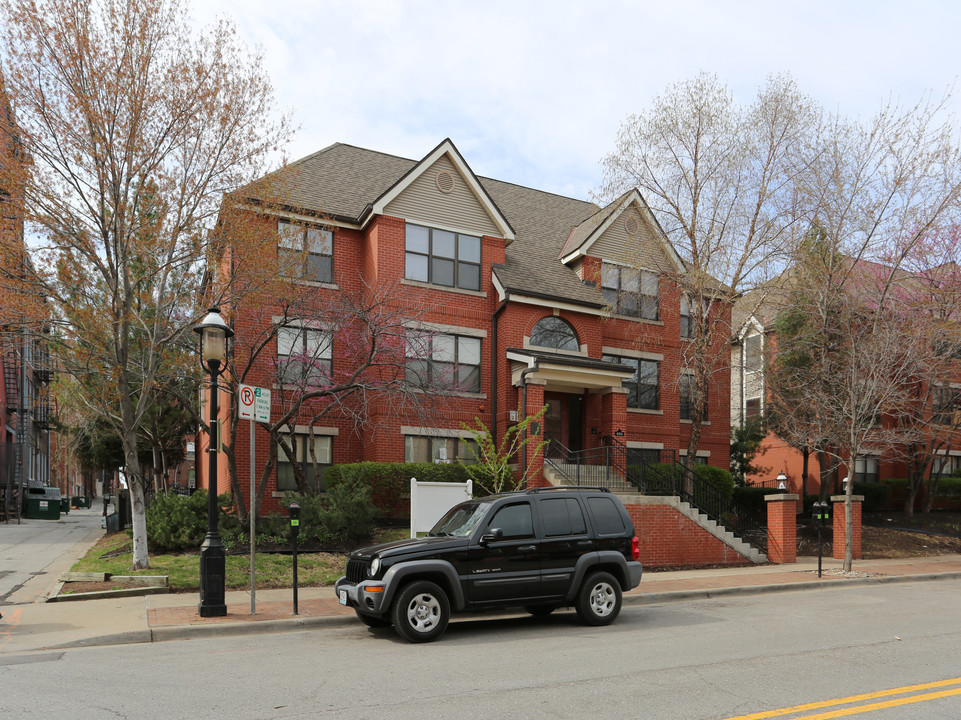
(43, 503)
(79, 501)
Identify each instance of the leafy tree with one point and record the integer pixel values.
(493, 469)
(134, 127)
(745, 445)
(721, 179)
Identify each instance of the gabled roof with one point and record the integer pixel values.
(447, 148)
(590, 231)
(348, 184)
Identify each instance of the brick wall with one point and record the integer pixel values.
(670, 539)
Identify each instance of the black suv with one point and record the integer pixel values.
(539, 549)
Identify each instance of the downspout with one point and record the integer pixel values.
(524, 374)
(494, 389)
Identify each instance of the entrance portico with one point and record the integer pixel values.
(584, 396)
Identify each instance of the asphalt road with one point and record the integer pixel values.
(704, 659)
(34, 552)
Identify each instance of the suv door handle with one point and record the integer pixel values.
(527, 548)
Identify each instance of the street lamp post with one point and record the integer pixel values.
(213, 333)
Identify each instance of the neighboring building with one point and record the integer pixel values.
(531, 299)
(24, 357)
(755, 347)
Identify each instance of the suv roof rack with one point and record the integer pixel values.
(554, 488)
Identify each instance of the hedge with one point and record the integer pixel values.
(389, 483)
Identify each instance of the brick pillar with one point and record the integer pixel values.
(614, 413)
(782, 528)
(535, 401)
(838, 510)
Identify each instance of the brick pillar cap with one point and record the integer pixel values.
(780, 497)
(840, 498)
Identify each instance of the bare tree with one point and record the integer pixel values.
(721, 178)
(340, 354)
(135, 128)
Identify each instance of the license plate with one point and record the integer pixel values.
(343, 597)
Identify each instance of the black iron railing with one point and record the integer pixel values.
(655, 472)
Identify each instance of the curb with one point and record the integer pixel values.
(252, 627)
(707, 594)
(260, 627)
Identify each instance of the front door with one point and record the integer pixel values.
(564, 421)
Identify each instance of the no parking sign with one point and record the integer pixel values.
(254, 403)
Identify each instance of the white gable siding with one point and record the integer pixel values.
(644, 249)
(424, 204)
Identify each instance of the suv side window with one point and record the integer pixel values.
(604, 512)
(562, 516)
(514, 520)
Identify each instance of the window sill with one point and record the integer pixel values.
(691, 422)
(645, 411)
(443, 288)
(635, 318)
(312, 283)
(279, 494)
(467, 395)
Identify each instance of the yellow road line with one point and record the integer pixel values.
(881, 705)
(853, 699)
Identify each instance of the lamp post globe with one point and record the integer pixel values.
(781, 481)
(214, 333)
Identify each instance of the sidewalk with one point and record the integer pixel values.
(154, 618)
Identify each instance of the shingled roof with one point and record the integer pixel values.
(343, 181)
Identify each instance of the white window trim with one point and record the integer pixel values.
(446, 329)
(639, 354)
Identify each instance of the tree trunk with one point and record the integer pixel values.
(848, 520)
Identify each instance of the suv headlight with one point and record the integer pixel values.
(374, 567)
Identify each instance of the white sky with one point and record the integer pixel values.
(533, 91)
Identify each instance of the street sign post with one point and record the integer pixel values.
(253, 405)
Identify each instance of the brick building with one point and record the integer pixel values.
(934, 410)
(527, 298)
(25, 368)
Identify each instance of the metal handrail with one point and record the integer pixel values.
(654, 472)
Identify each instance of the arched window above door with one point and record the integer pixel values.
(553, 332)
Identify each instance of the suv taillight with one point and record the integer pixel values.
(635, 548)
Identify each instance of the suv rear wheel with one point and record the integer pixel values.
(599, 599)
(421, 612)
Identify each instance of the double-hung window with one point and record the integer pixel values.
(644, 387)
(312, 453)
(418, 448)
(866, 470)
(688, 387)
(441, 257)
(306, 252)
(303, 356)
(630, 291)
(946, 403)
(753, 361)
(442, 361)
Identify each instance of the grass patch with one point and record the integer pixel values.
(113, 554)
(183, 569)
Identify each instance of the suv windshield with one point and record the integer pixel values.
(460, 520)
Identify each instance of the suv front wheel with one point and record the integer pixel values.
(599, 599)
(421, 612)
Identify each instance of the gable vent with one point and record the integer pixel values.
(444, 181)
(631, 225)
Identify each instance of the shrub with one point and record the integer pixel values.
(752, 499)
(177, 523)
(875, 496)
(345, 514)
(720, 478)
(389, 483)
